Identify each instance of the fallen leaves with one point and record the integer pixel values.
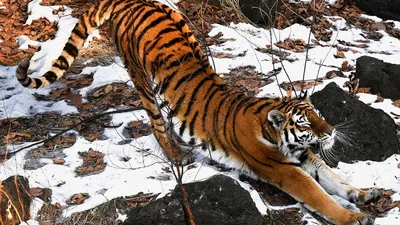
(246, 79)
(93, 163)
(396, 103)
(296, 45)
(383, 205)
(300, 85)
(12, 24)
(339, 54)
(137, 129)
(77, 199)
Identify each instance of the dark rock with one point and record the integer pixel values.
(385, 9)
(219, 201)
(259, 11)
(371, 132)
(381, 77)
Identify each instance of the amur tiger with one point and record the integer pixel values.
(268, 136)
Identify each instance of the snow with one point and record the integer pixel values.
(143, 172)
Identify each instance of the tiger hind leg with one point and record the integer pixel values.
(164, 136)
(335, 185)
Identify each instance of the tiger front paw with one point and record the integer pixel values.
(360, 219)
(367, 196)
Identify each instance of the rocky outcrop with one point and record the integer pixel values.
(219, 201)
(385, 9)
(259, 11)
(370, 133)
(381, 77)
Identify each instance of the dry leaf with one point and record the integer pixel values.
(379, 98)
(74, 99)
(365, 90)
(339, 54)
(77, 199)
(58, 161)
(108, 88)
(13, 135)
(396, 103)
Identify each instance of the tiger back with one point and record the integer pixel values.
(185, 99)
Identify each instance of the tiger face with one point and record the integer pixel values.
(301, 126)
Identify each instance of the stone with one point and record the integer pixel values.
(385, 9)
(381, 77)
(370, 133)
(259, 11)
(219, 201)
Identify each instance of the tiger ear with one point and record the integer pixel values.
(277, 119)
(289, 93)
(303, 96)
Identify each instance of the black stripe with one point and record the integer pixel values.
(180, 24)
(155, 64)
(296, 139)
(152, 25)
(193, 97)
(154, 43)
(106, 7)
(129, 19)
(261, 107)
(166, 82)
(192, 141)
(38, 82)
(208, 99)
(182, 128)
(188, 77)
(303, 157)
(267, 136)
(177, 106)
(192, 123)
(179, 61)
(57, 65)
(144, 94)
(164, 104)
(239, 105)
(78, 32)
(286, 135)
(216, 123)
(71, 49)
(64, 62)
(249, 105)
(212, 145)
(29, 82)
(316, 176)
(155, 116)
(204, 145)
(285, 163)
(165, 60)
(171, 43)
(50, 76)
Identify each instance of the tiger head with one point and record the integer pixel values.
(300, 126)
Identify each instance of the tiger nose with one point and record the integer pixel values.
(329, 131)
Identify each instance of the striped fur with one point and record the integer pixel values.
(179, 89)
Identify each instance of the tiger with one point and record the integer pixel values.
(180, 91)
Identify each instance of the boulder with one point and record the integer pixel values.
(219, 201)
(385, 9)
(259, 11)
(371, 133)
(381, 77)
